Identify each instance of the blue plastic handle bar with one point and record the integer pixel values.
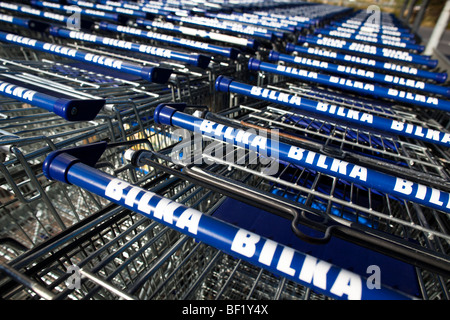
(152, 10)
(198, 60)
(371, 50)
(231, 53)
(399, 33)
(152, 74)
(116, 10)
(277, 16)
(238, 29)
(21, 22)
(384, 79)
(335, 112)
(259, 22)
(321, 276)
(384, 66)
(244, 42)
(26, 23)
(375, 41)
(262, 20)
(68, 8)
(377, 36)
(69, 109)
(34, 12)
(359, 175)
(355, 86)
(383, 24)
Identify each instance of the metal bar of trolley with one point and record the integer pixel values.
(65, 166)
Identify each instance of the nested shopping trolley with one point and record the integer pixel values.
(258, 175)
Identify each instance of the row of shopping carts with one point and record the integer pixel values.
(220, 150)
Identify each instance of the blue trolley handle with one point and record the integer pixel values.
(152, 74)
(371, 50)
(231, 53)
(242, 42)
(270, 36)
(376, 41)
(69, 109)
(75, 166)
(198, 60)
(439, 77)
(117, 10)
(369, 75)
(367, 177)
(399, 33)
(336, 113)
(366, 88)
(370, 34)
(85, 12)
(26, 23)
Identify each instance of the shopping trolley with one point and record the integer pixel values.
(123, 101)
(140, 209)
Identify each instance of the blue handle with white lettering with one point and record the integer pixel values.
(358, 23)
(69, 109)
(367, 88)
(26, 23)
(85, 12)
(336, 113)
(283, 24)
(270, 36)
(258, 22)
(198, 60)
(366, 177)
(231, 53)
(74, 166)
(403, 33)
(34, 12)
(117, 10)
(152, 74)
(378, 36)
(245, 42)
(389, 67)
(381, 53)
(376, 41)
(151, 9)
(345, 70)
